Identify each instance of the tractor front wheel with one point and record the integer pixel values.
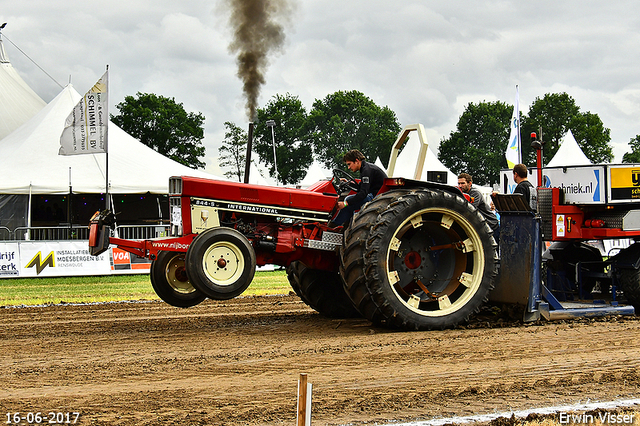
(170, 282)
(221, 263)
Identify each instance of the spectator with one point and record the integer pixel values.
(525, 187)
(465, 183)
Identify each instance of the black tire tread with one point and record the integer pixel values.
(321, 290)
(352, 254)
(360, 258)
(164, 290)
(630, 286)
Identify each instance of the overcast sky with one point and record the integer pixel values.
(426, 60)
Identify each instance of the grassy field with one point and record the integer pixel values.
(41, 291)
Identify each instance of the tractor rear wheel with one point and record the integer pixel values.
(321, 290)
(170, 282)
(426, 260)
(221, 263)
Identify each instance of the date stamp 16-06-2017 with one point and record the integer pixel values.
(42, 417)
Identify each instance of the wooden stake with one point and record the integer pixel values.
(304, 401)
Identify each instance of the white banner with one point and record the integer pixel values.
(55, 259)
(23, 259)
(85, 130)
(580, 184)
(9, 260)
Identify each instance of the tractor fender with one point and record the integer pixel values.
(401, 183)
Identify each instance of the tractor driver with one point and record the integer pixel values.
(371, 180)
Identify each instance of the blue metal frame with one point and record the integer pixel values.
(544, 300)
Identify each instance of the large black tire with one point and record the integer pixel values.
(565, 255)
(293, 274)
(321, 290)
(630, 286)
(626, 264)
(352, 253)
(419, 260)
(170, 282)
(221, 263)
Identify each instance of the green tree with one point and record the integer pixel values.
(478, 145)
(634, 155)
(592, 137)
(163, 125)
(557, 113)
(233, 151)
(289, 134)
(350, 120)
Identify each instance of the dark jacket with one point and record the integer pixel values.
(371, 180)
(483, 208)
(527, 189)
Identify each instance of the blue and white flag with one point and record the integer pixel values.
(85, 130)
(513, 153)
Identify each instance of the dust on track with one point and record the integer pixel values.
(237, 362)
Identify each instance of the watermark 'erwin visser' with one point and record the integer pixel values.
(603, 417)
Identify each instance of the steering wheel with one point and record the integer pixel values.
(342, 186)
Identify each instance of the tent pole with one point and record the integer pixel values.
(28, 235)
(69, 208)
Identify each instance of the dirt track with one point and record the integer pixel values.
(238, 362)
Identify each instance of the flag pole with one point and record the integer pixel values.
(518, 118)
(106, 153)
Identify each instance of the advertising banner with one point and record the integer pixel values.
(580, 184)
(9, 260)
(625, 183)
(23, 259)
(54, 259)
(123, 262)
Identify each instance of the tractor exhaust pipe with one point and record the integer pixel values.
(248, 162)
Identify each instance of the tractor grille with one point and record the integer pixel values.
(175, 186)
(611, 219)
(175, 212)
(545, 210)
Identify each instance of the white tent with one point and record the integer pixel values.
(406, 166)
(31, 164)
(259, 176)
(569, 153)
(378, 163)
(315, 173)
(18, 103)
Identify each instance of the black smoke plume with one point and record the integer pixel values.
(258, 31)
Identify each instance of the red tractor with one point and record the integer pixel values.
(417, 257)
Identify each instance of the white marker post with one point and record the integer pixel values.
(304, 401)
